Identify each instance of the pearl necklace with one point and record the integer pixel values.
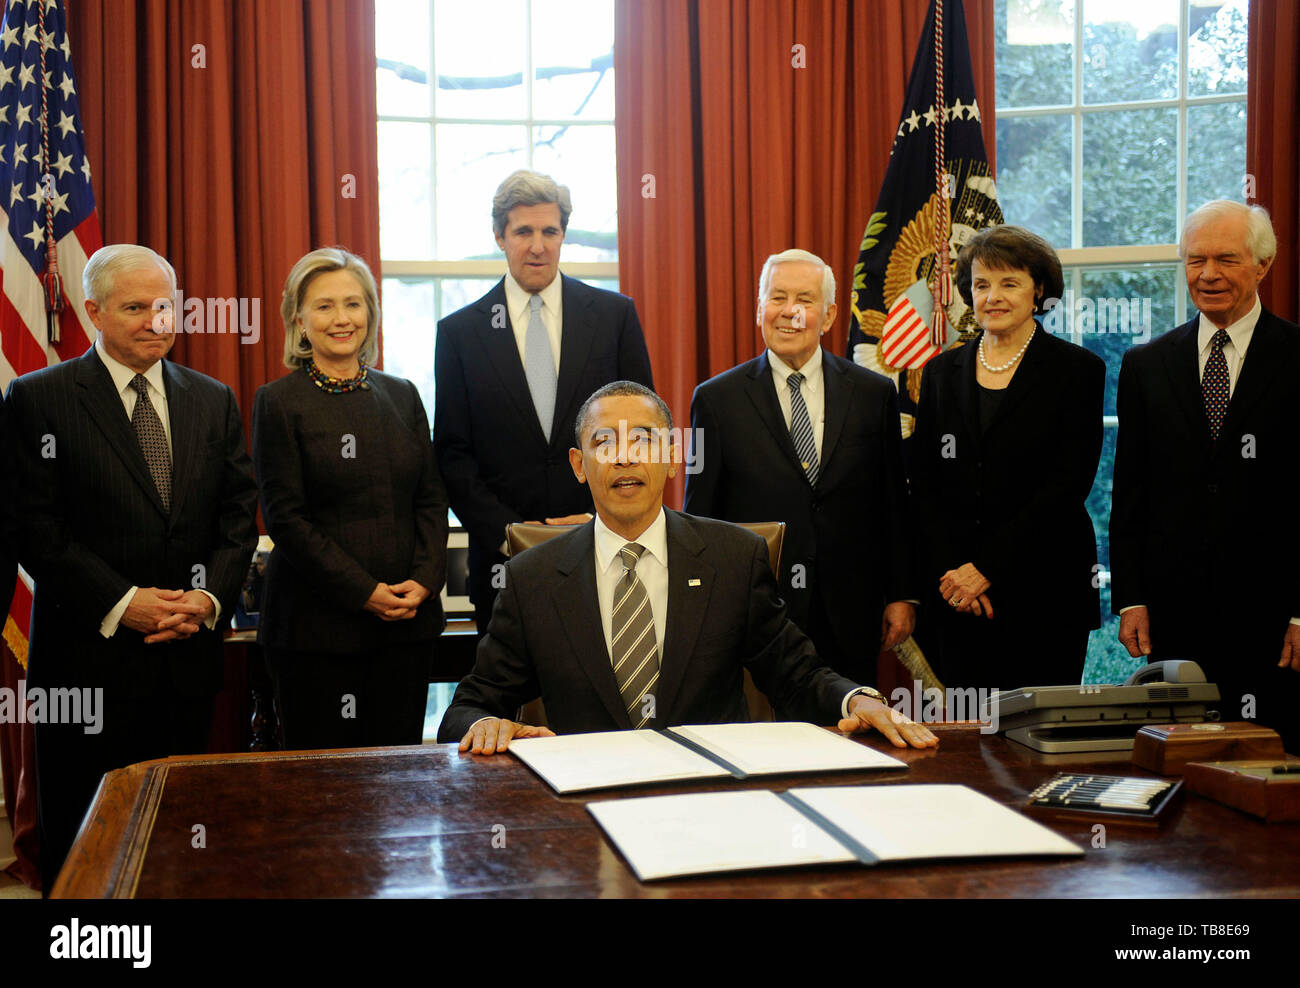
(1010, 363)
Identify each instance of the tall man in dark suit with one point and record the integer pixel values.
(1203, 531)
(512, 369)
(802, 436)
(136, 519)
(581, 617)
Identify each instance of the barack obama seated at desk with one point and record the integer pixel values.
(580, 618)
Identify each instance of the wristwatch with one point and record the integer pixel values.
(869, 692)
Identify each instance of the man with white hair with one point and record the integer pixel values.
(803, 436)
(1204, 532)
(135, 516)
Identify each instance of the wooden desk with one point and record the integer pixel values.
(421, 821)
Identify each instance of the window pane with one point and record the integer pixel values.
(568, 35)
(1108, 660)
(1034, 174)
(1118, 309)
(1216, 153)
(405, 184)
(1033, 52)
(402, 58)
(1216, 50)
(472, 161)
(1129, 177)
(479, 51)
(583, 159)
(456, 293)
(1130, 50)
(409, 332)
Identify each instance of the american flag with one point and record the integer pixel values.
(45, 194)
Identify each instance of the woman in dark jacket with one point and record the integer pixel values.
(352, 499)
(1007, 439)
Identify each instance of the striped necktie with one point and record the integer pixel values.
(636, 654)
(801, 431)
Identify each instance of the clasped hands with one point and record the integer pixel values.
(397, 601)
(966, 590)
(167, 615)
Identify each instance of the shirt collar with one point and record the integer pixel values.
(122, 375)
(654, 538)
(1239, 333)
(811, 370)
(517, 298)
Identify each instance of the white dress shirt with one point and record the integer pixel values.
(651, 570)
(122, 377)
(1234, 351)
(814, 394)
(517, 301)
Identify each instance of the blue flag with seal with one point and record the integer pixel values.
(937, 194)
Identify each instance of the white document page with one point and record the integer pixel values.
(578, 762)
(700, 833)
(771, 749)
(907, 822)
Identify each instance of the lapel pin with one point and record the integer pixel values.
(693, 583)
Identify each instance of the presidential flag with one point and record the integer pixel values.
(937, 193)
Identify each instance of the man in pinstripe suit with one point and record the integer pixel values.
(134, 512)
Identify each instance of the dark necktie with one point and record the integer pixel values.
(636, 653)
(153, 440)
(1214, 384)
(801, 432)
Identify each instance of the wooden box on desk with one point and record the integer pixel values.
(1167, 748)
(1250, 786)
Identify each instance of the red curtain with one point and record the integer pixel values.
(231, 137)
(1272, 122)
(728, 153)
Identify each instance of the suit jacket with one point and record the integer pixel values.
(546, 639)
(1205, 533)
(494, 457)
(92, 524)
(1011, 498)
(850, 532)
(341, 524)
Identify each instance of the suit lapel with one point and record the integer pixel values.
(104, 405)
(1261, 366)
(762, 393)
(687, 606)
(496, 336)
(577, 608)
(838, 396)
(579, 330)
(186, 441)
(1028, 378)
(968, 388)
(1184, 376)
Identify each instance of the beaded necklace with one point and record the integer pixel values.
(336, 385)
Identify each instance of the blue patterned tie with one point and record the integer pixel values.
(539, 366)
(801, 431)
(1214, 384)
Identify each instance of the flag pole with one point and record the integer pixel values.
(942, 289)
(53, 284)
